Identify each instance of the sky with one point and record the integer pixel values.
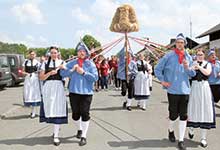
(42, 23)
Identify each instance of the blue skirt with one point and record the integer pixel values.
(54, 120)
(141, 97)
(34, 104)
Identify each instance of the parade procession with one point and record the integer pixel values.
(127, 93)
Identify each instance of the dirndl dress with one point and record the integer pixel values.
(54, 104)
(142, 81)
(31, 91)
(201, 113)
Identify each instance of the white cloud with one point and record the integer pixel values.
(29, 40)
(5, 38)
(81, 16)
(28, 12)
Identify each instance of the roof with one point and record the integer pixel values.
(210, 31)
(201, 45)
(190, 43)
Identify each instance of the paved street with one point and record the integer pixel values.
(111, 127)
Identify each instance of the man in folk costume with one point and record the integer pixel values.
(214, 78)
(121, 74)
(201, 112)
(142, 81)
(83, 74)
(174, 73)
(32, 96)
(54, 105)
(132, 71)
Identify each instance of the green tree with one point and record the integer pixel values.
(91, 42)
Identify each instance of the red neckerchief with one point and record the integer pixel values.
(129, 60)
(181, 55)
(80, 62)
(212, 61)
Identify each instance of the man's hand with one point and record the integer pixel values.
(185, 64)
(219, 74)
(80, 70)
(75, 67)
(166, 84)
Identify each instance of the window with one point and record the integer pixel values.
(3, 62)
(12, 62)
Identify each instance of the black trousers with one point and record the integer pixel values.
(215, 92)
(178, 106)
(131, 89)
(117, 81)
(80, 105)
(124, 86)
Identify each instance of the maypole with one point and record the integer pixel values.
(127, 56)
(125, 21)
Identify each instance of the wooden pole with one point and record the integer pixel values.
(127, 55)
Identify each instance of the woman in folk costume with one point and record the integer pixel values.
(54, 105)
(142, 82)
(200, 108)
(32, 96)
(83, 74)
(173, 70)
(214, 78)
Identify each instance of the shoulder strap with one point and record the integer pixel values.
(206, 65)
(47, 64)
(26, 61)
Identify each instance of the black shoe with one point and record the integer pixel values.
(124, 105)
(32, 116)
(129, 108)
(181, 145)
(190, 135)
(144, 109)
(82, 141)
(79, 134)
(56, 142)
(138, 106)
(172, 137)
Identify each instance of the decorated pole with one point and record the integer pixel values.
(127, 56)
(125, 21)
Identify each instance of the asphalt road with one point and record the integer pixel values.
(111, 126)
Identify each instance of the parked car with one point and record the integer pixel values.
(15, 62)
(5, 74)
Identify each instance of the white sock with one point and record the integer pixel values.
(171, 126)
(203, 134)
(56, 130)
(85, 126)
(182, 129)
(191, 130)
(144, 102)
(33, 109)
(129, 101)
(78, 124)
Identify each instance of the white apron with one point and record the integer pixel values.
(141, 84)
(32, 89)
(54, 99)
(200, 106)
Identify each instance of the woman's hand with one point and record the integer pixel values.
(53, 72)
